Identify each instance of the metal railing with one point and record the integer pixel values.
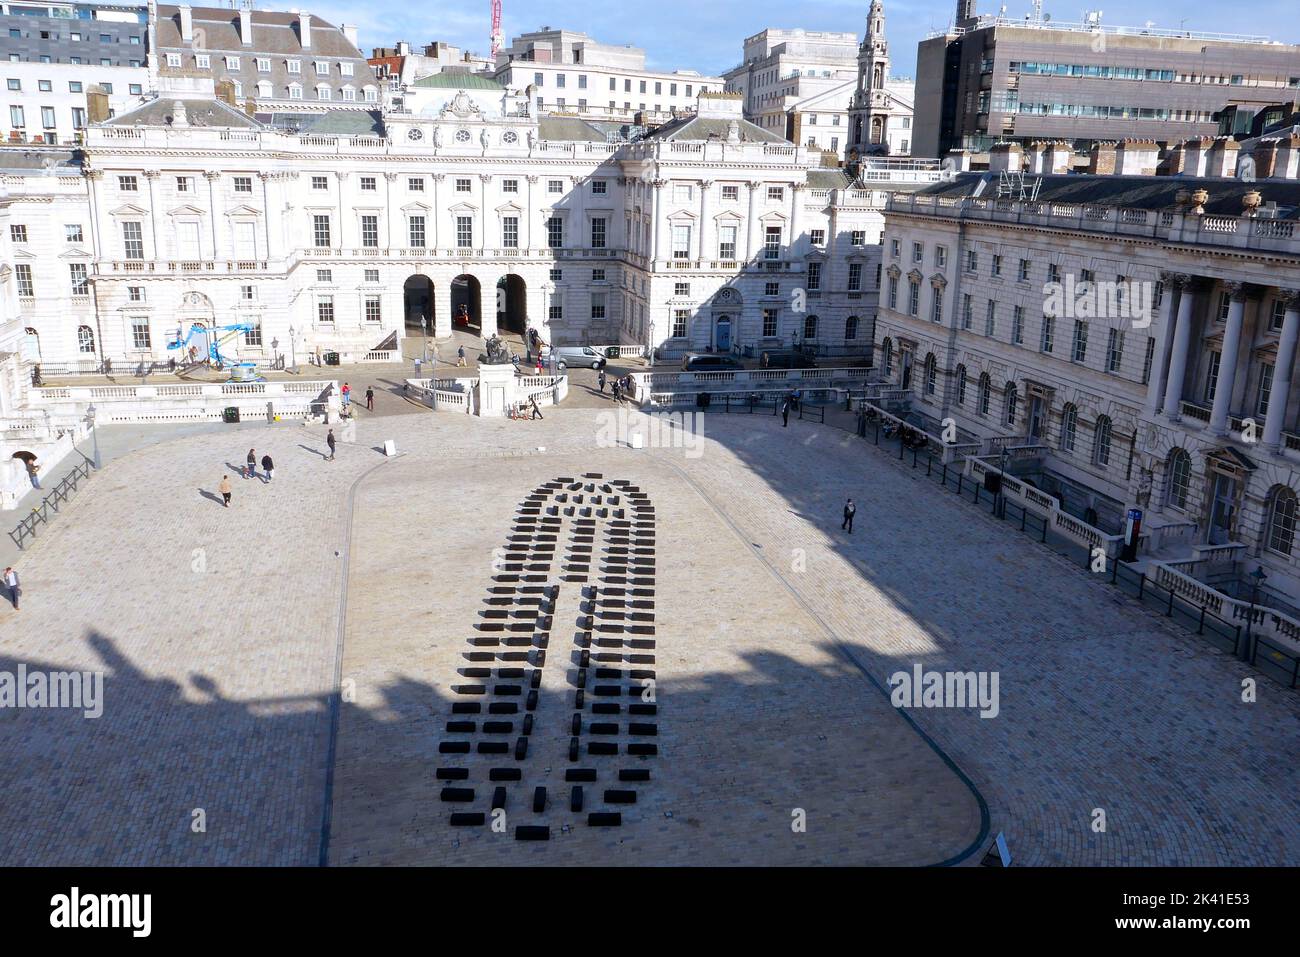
(60, 494)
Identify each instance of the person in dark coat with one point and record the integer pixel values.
(268, 466)
(785, 414)
(329, 440)
(849, 510)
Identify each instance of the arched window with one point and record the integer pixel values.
(851, 328)
(1101, 441)
(1281, 520)
(810, 327)
(986, 391)
(263, 89)
(1069, 427)
(887, 356)
(1178, 472)
(931, 374)
(1010, 397)
(85, 339)
(961, 385)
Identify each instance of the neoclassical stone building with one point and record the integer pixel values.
(1137, 333)
(709, 233)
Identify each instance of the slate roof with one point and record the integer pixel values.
(1138, 192)
(452, 80)
(27, 161)
(827, 179)
(569, 129)
(199, 112)
(692, 127)
(347, 123)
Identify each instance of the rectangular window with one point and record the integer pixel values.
(555, 186)
(135, 293)
(415, 184)
(1114, 350)
(127, 184)
(991, 319)
(772, 242)
(464, 232)
(967, 310)
(997, 266)
(769, 323)
(1265, 388)
(730, 193)
(680, 318)
(510, 232)
(463, 184)
(140, 338)
(415, 231)
(771, 289)
(936, 305)
(855, 277)
(972, 261)
(913, 297)
(1079, 352)
(598, 232)
(510, 186)
(555, 311)
(370, 231)
(1053, 272)
(1277, 316)
(681, 242)
(555, 232)
(18, 233)
(598, 275)
(324, 276)
(248, 293)
(893, 292)
(1225, 303)
(47, 117)
(814, 276)
(1018, 325)
(243, 184)
(80, 280)
(727, 243)
(321, 231)
(817, 236)
(374, 309)
(598, 187)
(372, 275)
(918, 252)
(320, 182)
(1212, 377)
(23, 272)
(253, 337)
(598, 305)
(1048, 335)
(133, 240)
(682, 290)
(775, 194)
(325, 310)
(859, 237)
(72, 232)
(1023, 275)
(263, 65)
(941, 256)
(369, 183)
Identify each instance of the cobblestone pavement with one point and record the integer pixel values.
(220, 664)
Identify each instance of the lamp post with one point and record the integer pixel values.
(275, 352)
(650, 345)
(1257, 578)
(293, 350)
(94, 432)
(424, 328)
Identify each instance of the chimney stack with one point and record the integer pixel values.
(1223, 157)
(1008, 157)
(1101, 160)
(225, 90)
(246, 26)
(1136, 157)
(97, 110)
(1286, 157)
(1196, 155)
(350, 32)
(187, 24)
(304, 30)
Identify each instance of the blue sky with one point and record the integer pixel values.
(707, 36)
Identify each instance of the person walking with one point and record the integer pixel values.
(347, 396)
(268, 467)
(250, 470)
(33, 473)
(785, 414)
(539, 363)
(616, 393)
(849, 510)
(329, 440)
(370, 398)
(601, 379)
(224, 489)
(11, 583)
(460, 356)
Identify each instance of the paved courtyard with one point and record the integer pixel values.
(224, 633)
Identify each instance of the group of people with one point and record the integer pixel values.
(621, 387)
(268, 468)
(346, 394)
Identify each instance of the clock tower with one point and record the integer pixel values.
(869, 108)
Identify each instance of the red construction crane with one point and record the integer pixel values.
(496, 29)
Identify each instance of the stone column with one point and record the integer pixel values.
(1159, 360)
(528, 216)
(1228, 358)
(342, 177)
(751, 222)
(658, 229)
(150, 176)
(1281, 391)
(796, 208)
(436, 231)
(440, 309)
(211, 176)
(389, 213)
(1182, 341)
(703, 239)
(486, 230)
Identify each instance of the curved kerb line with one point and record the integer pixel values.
(345, 549)
(847, 653)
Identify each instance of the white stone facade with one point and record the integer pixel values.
(1191, 411)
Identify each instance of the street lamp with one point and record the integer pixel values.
(1257, 578)
(293, 350)
(94, 432)
(424, 328)
(275, 352)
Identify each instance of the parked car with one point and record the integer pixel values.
(709, 362)
(785, 359)
(580, 357)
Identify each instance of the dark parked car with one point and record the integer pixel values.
(709, 362)
(784, 359)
